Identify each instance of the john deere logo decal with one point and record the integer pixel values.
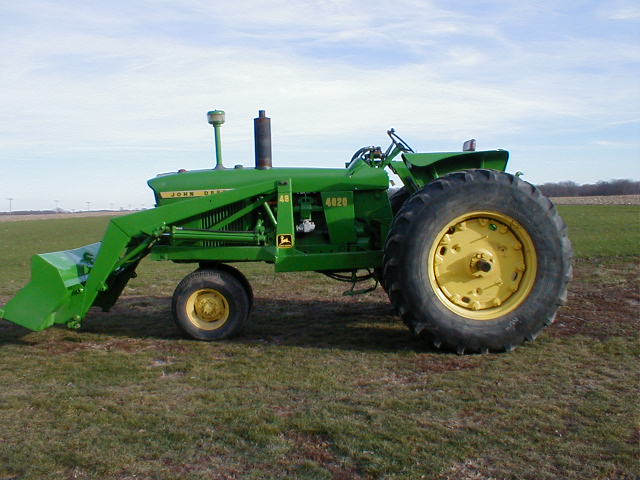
(285, 241)
(192, 193)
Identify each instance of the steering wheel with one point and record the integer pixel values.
(398, 142)
(367, 154)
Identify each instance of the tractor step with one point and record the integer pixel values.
(55, 278)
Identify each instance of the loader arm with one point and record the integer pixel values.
(65, 285)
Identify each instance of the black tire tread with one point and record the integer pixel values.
(228, 284)
(398, 238)
(236, 273)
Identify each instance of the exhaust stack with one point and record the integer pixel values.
(262, 134)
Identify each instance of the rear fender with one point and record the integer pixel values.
(418, 169)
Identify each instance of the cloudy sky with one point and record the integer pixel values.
(97, 97)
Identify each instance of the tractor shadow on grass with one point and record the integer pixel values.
(361, 324)
(11, 334)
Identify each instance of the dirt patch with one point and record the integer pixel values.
(634, 438)
(468, 470)
(63, 346)
(316, 448)
(601, 306)
(442, 363)
(414, 370)
(598, 200)
(216, 467)
(304, 448)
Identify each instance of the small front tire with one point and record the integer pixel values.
(210, 304)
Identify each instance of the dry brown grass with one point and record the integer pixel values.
(58, 216)
(598, 200)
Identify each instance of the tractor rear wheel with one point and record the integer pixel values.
(477, 261)
(211, 304)
(397, 199)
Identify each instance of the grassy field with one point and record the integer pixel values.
(603, 230)
(321, 386)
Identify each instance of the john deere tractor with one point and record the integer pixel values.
(473, 259)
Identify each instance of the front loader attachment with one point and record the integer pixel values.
(65, 285)
(55, 278)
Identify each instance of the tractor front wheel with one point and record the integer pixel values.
(210, 304)
(477, 261)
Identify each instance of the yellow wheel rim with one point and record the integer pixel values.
(482, 265)
(207, 309)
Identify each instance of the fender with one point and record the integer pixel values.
(418, 169)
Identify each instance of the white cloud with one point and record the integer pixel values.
(616, 144)
(620, 10)
(135, 79)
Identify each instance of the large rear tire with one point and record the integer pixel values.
(477, 261)
(398, 198)
(211, 304)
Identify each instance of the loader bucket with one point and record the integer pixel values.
(55, 278)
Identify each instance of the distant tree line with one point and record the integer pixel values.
(572, 189)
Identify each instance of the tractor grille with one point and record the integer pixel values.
(209, 219)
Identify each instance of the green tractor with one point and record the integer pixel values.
(473, 259)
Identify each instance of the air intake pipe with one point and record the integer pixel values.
(262, 135)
